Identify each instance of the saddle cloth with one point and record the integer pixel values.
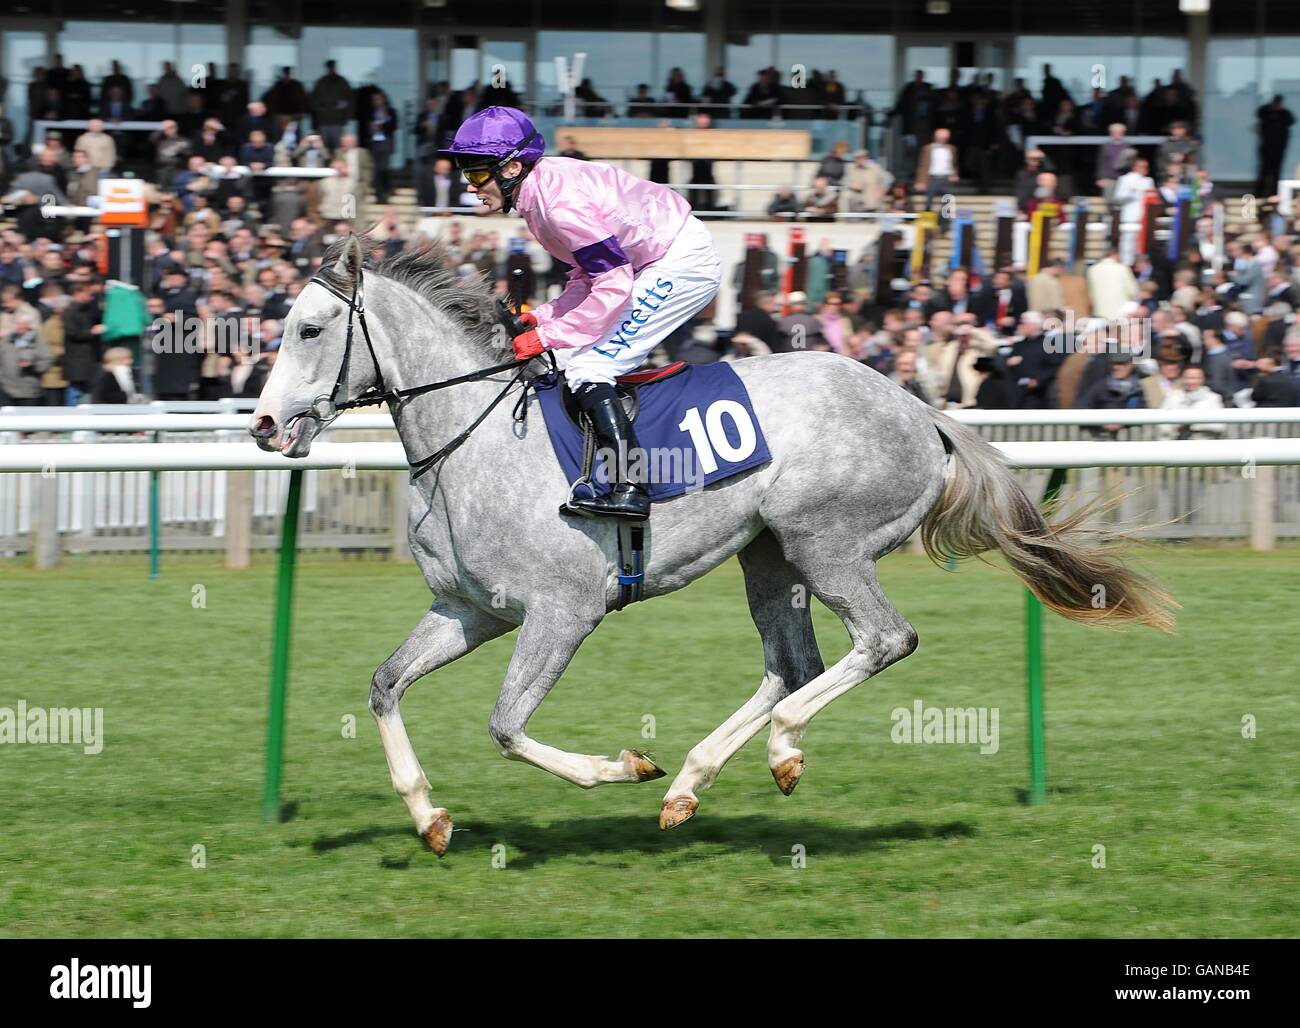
(694, 427)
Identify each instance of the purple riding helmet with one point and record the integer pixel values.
(492, 138)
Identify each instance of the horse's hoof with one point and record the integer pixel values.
(788, 772)
(437, 833)
(645, 769)
(677, 810)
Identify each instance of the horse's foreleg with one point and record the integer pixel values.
(444, 634)
(778, 603)
(547, 642)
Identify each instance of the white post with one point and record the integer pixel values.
(239, 519)
(1020, 243)
(47, 549)
(400, 550)
(1263, 495)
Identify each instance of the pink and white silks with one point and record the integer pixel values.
(642, 264)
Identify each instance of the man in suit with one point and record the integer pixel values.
(361, 166)
(1001, 302)
(1247, 276)
(757, 321)
(951, 362)
(1111, 285)
(116, 79)
(1043, 292)
(1279, 289)
(936, 167)
(1217, 363)
(1113, 159)
(331, 105)
(799, 330)
(81, 351)
(1274, 387)
(1291, 360)
(905, 376)
(1030, 367)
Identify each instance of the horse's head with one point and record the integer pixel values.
(312, 359)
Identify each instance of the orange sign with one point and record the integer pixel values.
(123, 202)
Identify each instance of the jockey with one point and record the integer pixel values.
(641, 267)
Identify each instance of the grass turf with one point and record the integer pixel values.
(1146, 758)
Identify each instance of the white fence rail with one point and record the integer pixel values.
(1245, 485)
(389, 456)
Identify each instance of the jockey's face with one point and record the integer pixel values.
(489, 193)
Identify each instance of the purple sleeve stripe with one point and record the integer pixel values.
(598, 258)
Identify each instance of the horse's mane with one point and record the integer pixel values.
(426, 268)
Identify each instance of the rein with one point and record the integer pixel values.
(324, 409)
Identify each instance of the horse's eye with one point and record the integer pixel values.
(309, 332)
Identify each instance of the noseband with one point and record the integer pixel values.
(324, 409)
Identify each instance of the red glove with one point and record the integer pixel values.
(528, 345)
(528, 319)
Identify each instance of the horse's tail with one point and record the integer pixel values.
(1074, 571)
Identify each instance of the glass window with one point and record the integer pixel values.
(268, 50)
(507, 57)
(932, 58)
(1232, 97)
(142, 47)
(745, 60)
(200, 46)
(23, 52)
(1159, 58)
(862, 63)
(386, 58)
(1280, 73)
(685, 50)
(616, 63)
(1080, 63)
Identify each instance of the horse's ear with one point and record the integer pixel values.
(348, 266)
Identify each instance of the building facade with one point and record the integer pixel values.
(1236, 57)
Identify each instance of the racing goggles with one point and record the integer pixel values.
(479, 172)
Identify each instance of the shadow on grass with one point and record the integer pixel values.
(1022, 794)
(606, 838)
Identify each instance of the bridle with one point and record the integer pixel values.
(324, 409)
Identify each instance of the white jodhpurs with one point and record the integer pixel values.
(665, 296)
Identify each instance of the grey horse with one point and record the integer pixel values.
(857, 466)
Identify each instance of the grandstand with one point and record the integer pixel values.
(260, 137)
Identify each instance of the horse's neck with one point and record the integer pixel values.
(423, 345)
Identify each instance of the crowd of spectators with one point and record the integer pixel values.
(229, 251)
(1116, 337)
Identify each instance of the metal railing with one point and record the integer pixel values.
(108, 508)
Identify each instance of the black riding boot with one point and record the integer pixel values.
(629, 497)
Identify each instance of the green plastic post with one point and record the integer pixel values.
(154, 483)
(1034, 671)
(280, 648)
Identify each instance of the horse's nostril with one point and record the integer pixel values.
(263, 427)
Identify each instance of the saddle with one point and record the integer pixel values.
(628, 388)
(631, 537)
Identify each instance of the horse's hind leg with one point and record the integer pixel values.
(547, 642)
(880, 636)
(444, 634)
(778, 602)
